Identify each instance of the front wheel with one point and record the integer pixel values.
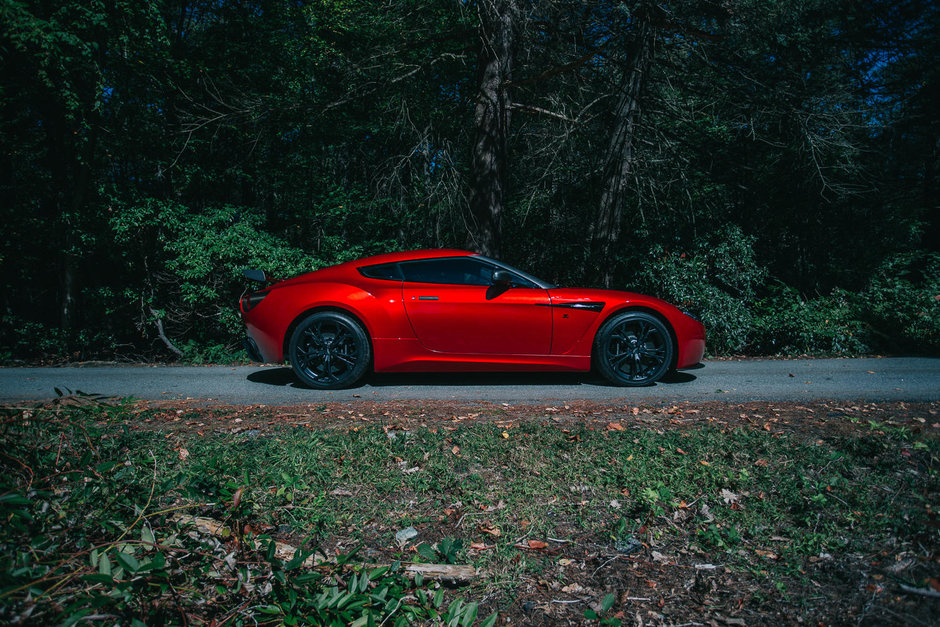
(329, 350)
(633, 349)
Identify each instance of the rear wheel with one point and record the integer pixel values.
(633, 349)
(329, 350)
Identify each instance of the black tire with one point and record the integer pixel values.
(633, 349)
(329, 350)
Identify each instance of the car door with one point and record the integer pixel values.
(453, 307)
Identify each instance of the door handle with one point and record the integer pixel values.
(425, 298)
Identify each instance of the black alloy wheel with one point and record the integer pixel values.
(329, 350)
(633, 349)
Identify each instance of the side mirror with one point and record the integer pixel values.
(501, 278)
(255, 275)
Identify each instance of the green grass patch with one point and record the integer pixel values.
(88, 503)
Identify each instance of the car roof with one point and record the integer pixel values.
(410, 255)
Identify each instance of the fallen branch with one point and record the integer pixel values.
(452, 573)
(158, 322)
(927, 592)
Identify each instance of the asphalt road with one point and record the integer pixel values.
(887, 379)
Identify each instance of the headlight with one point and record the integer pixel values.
(692, 315)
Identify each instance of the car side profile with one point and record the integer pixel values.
(456, 311)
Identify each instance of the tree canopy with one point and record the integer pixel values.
(772, 166)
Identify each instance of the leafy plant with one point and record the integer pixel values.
(446, 551)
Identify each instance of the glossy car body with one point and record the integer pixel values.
(450, 310)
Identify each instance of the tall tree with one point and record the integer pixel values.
(619, 156)
(498, 25)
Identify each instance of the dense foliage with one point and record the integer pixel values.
(771, 165)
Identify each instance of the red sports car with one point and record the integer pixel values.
(451, 310)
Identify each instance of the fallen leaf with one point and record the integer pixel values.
(455, 450)
(537, 544)
(614, 426)
(493, 531)
(729, 497)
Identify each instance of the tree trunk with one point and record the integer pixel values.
(491, 124)
(618, 160)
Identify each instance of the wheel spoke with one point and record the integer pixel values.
(618, 359)
(349, 360)
(634, 367)
(657, 354)
(619, 337)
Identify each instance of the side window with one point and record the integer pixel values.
(453, 271)
(387, 271)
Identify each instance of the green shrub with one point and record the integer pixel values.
(787, 323)
(718, 281)
(902, 303)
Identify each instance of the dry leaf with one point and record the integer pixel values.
(729, 497)
(615, 426)
(493, 531)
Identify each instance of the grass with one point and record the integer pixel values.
(88, 500)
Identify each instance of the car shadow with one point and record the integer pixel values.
(284, 377)
(280, 377)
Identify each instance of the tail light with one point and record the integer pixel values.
(252, 299)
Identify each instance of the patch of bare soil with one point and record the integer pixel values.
(808, 419)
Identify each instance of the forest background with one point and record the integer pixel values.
(771, 166)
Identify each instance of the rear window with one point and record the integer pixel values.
(386, 271)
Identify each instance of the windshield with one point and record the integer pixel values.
(537, 282)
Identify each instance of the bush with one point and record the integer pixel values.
(190, 270)
(902, 303)
(718, 281)
(787, 323)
